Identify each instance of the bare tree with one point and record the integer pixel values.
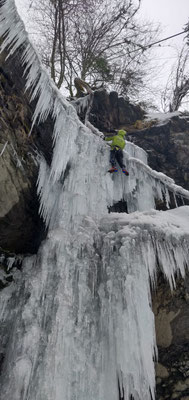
(187, 34)
(97, 41)
(177, 87)
(50, 34)
(111, 42)
(100, 34)
(51, 27)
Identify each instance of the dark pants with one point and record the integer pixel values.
(116, 155)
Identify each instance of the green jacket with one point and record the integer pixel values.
(118, 140)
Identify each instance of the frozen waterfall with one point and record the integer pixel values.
(77, 320)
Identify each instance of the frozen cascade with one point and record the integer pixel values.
(81, 308)
(78, 317)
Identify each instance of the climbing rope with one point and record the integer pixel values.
(159, 41)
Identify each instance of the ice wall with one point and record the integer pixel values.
(77, 322)
(78, 318)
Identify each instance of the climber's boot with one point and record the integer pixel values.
(112, 169)
(125, 172)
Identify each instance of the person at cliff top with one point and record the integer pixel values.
(116, 153)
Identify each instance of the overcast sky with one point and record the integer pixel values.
(172, 14)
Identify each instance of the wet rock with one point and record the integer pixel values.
(167, 146)
(21, 228)
(172, 328)
(109, 111)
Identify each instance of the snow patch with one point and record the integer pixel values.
(162, 117)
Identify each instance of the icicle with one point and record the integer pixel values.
(3, 149)
(10, 263)
(81, 104)
(94, 130)
(136, 152)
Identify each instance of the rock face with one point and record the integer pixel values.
(109, 111)
(167, 146)
(171, 310)
(21, 228)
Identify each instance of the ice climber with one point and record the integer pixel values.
(116, 153)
